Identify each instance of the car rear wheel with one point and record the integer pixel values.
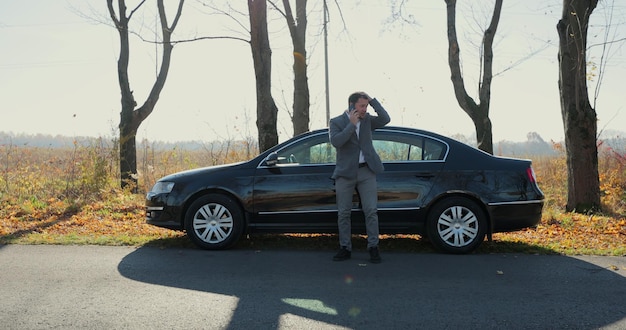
(214, 222)
(456, 225)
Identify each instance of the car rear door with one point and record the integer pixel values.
(412, 164)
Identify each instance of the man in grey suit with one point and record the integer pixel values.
(356, 168)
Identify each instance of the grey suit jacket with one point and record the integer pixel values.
(343, 137)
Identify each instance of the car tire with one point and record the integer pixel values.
(456, 225)
(214, 222)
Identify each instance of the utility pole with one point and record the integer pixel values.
(326, 62)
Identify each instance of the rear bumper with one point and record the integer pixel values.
(510, 216)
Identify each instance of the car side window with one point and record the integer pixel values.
(396, 148)
(390, 151)
(433, 150)
(315, 150)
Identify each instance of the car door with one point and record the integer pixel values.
(412, 163)
(298, 191)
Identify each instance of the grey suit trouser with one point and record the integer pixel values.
(365, 184)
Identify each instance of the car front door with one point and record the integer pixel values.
(298, 191)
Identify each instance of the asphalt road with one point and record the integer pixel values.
(92, 287)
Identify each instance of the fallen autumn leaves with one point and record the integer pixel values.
(118, 219)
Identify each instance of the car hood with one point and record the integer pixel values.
(200, 171)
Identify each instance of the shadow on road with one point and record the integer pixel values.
(318, 242)
(276, 288)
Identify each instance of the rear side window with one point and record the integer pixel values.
(408, 147)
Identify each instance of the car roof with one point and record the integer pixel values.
(411, 130)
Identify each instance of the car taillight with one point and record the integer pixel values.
(531, 175)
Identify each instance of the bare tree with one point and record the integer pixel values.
(579, 118)
(266, 109)
(130, 116)
(297, 30)
(267, 112)
(479, 113)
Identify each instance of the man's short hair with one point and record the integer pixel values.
(354, 97)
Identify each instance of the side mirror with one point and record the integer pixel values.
(272, 159)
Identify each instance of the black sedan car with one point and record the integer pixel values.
(432, 185)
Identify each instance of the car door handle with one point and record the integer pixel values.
(424, 175)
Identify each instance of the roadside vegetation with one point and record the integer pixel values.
(70, 195)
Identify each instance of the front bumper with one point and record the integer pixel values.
(159, 214)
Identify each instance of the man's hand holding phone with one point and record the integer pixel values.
(354, 114)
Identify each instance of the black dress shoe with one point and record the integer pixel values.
(343, 254)
(374, 255)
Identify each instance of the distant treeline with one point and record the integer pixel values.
(534, 145)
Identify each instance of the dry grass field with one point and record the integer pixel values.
(71, 196)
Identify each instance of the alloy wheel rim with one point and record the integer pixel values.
(457, 226)
(213, 223)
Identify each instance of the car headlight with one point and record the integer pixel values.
(161, 187)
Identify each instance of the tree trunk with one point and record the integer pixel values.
(579, 118)
(131, 119)
(266, 109)
(301, 102)
(479, 113)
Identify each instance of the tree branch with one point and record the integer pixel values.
(136, 8)
(180, 41)
(112, 13)
(277, 8)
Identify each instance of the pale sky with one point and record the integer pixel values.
(58, 70)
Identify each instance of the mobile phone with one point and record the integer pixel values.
(351, 108)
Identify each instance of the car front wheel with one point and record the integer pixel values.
(214, 222)
(456, 225)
